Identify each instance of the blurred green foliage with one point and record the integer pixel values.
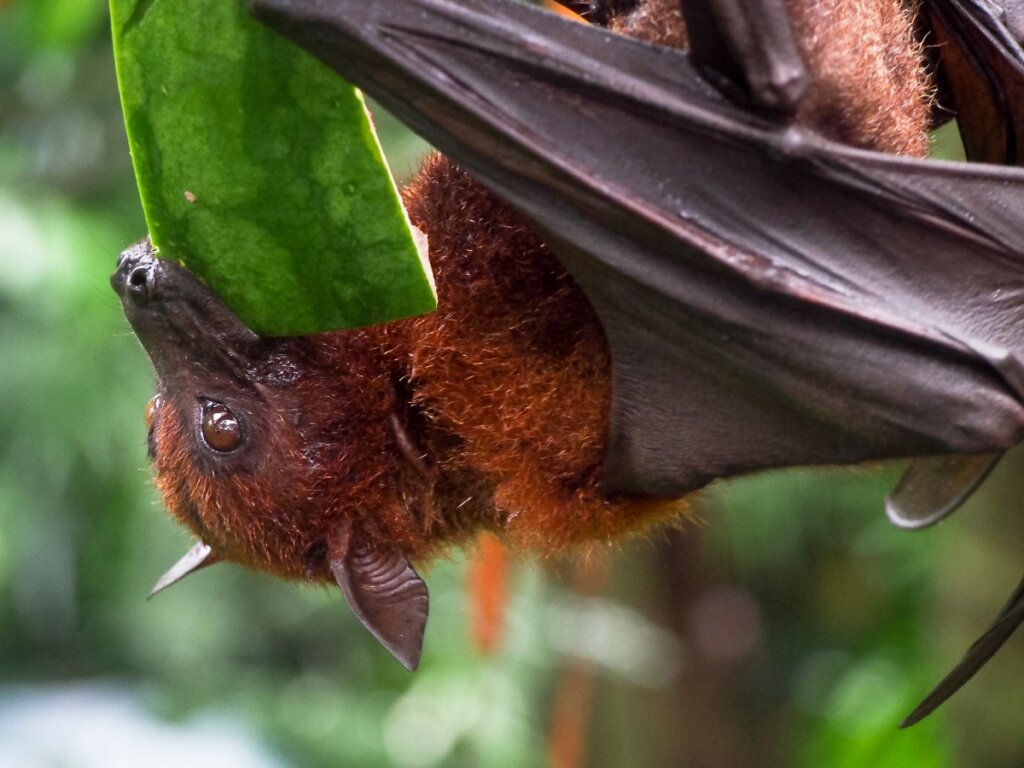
(790, 625)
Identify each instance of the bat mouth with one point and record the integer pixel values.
(180, 322)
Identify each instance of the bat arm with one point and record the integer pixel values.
(751, 44)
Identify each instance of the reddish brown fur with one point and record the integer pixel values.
(869, 86)
(516, 364)
(506, 387)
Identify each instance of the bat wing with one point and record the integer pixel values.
(770, 298)
(983, 68)
(979, 44)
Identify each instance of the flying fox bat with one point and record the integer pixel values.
(745, 293)
(809, 303)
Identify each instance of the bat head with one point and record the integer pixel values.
(280, 454)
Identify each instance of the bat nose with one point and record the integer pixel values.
(139, 285)
(134, 280)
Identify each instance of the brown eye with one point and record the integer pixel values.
(221, 429)
(151, 406)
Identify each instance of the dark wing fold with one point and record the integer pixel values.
(771, 298)
(979, 45)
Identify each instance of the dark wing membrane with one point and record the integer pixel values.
(771, 298)
(979, 45)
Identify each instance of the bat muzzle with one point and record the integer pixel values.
(141, 277)
(183, 326)
(135, 280)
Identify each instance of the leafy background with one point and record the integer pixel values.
(789, 625)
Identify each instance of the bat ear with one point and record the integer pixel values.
(384, 592)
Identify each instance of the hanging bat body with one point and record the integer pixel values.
(734, 289)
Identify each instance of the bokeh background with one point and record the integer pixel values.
(787, 625)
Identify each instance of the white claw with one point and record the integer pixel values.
(200, 556)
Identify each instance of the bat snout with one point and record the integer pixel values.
(190, 334)
(140, 284)
(136, 277)
(152, 286)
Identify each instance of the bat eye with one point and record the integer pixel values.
(221, 430)
(151, 406)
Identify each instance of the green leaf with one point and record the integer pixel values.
(259, 169)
